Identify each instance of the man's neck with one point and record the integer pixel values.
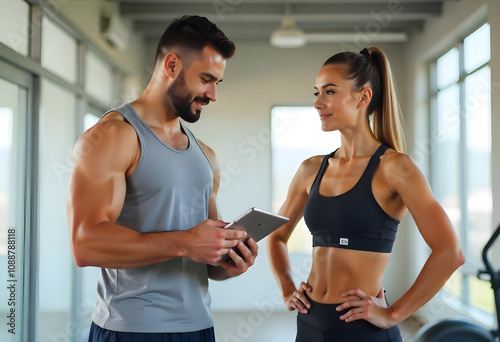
(155, 115)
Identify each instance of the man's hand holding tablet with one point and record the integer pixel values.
(257, 223)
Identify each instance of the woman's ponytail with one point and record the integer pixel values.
(387, 118)
(371, 65)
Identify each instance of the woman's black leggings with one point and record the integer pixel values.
(322, 324)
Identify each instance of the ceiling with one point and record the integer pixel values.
(323, 21)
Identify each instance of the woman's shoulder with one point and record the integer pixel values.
(393, 158)
(313, 163)
(305, 175)
(397, 166)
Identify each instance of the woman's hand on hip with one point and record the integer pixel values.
(298, 299)
(364, 306)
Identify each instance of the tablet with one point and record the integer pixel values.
(258, 224)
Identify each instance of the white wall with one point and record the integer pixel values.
(86, 15)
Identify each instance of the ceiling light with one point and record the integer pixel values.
(288, 35)
(348, 37)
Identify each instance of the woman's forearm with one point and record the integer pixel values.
(437, 270)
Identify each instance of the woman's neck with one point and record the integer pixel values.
(357, 144)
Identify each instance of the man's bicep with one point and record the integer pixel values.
(98, 183)
(213, 210)
(94, 197)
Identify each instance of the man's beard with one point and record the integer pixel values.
(181, 99)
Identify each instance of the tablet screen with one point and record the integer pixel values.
(257, 223)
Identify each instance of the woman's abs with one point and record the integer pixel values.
(335, 271)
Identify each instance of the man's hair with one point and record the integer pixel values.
(190, 34)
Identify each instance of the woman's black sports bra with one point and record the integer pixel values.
(354, 219)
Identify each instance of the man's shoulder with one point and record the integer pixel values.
(113, 125)
(206, 148)
(212, 157)
(110, 133)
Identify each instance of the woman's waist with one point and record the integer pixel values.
(328, 285)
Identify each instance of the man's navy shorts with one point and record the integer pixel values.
(98, 334)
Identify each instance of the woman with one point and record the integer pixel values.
(352, 201)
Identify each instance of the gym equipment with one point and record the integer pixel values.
(460, 330)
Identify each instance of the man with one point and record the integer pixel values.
(142, 203)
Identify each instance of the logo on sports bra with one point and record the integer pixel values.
(344, 241)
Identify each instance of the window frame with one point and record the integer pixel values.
(30, 65)
(470, 269)
(300, 242)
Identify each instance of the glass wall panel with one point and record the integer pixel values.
(89, 120)
(88, 275)
(462, 159)
(448, 70)
(14, 19)
(477, 48)
(56, 266)
(296, 136)
(98, 78)
(454, 284)
(59, 51)
(13, 100)
(478, 141)
(447, 180)
(482, 294)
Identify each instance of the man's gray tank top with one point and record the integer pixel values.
(169, 190)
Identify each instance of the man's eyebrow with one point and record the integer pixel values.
(211, 77)
(327, 85)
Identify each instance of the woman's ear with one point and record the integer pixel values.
(172, 65)
(366, 96)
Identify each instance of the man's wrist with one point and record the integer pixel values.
(169, 244)
(180, 245)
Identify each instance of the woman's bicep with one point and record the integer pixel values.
(296, 199)
(416, 194)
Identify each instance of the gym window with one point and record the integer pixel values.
(296, 136)
(461, 156)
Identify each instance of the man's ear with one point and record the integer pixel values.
(172, 65)
(366, 96)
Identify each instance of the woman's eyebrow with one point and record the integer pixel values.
(327, 85)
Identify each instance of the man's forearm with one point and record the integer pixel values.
(113, 246)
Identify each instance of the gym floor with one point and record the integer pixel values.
(256, 326)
